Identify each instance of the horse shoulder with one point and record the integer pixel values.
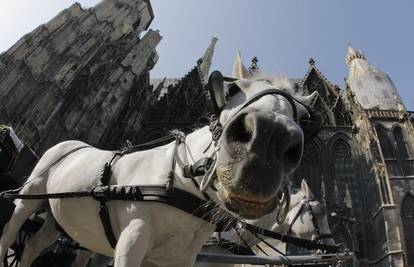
(148, 167)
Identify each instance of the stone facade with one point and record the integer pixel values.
(361, 165)
(82, 75)
(85, 75)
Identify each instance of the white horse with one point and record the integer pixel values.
(307, 223)
(261, 144)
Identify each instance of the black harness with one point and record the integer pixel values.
(170, 195)
(201, 167)
(167, 194)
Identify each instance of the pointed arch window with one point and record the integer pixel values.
(341, 150)
(387, 148)
(343, 167)
(400, 143)
(407, 217)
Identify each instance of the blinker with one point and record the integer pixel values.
(310, 126)
(216, 91)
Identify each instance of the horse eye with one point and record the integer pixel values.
(233, 90)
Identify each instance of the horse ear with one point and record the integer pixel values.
(308, 100)
(305, 188)
(216, 90)
(239, 70)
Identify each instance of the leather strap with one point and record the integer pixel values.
(263, 93)
(197, 169)
(175, 197)
(289, 231)
(104, 188)
(106, 224)
(235, 248)
(309, 244)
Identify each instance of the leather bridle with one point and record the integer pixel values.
(306, 204)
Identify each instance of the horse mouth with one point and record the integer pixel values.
(240, 199)
(245, 206)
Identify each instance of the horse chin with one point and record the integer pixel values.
(245, 207)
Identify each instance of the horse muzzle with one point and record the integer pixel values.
(246, 206)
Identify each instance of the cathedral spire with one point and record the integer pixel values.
(373, 88)
(357, 63)
(205, 62)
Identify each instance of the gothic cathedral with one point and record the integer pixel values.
(86, 75)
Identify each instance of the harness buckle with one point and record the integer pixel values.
(169, 185)
(100, 193)
(179, 136)
(126, 147)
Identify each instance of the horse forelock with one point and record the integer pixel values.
(275, 81)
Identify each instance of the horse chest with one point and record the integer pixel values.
(176, 235)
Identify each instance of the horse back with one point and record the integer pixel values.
(54, 155)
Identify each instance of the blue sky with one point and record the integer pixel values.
(282, 34)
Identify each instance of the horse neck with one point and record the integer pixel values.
(197, 142)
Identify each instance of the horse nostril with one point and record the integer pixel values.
(241, 129)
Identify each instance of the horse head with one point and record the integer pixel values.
(307, 217)
(264, 123)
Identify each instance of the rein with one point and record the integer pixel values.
(309, 244)
(257, 232)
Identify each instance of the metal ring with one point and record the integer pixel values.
(283, 205)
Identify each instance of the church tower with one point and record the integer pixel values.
(373, 88)
(385, 136)
(82, 75)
